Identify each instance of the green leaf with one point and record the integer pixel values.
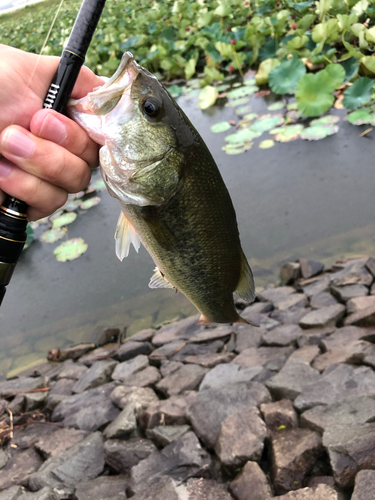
(266, 122)
(276, 106)
(359, 93)
(317, 132)
(268, 143)
(305, 23)
(360, 117)
(225, 50)
(70, 250)
(91, 202)
(223, 10)
(220, 127)
(360, 7)
(190, 68)
(207, 97)
(370, 35)
(337, 74)
(29, 236)
(236, 149)
(325, 120)
(368, 62)
(326, 32)
(283, 79)
(52, 235)
(351, 67)
(242, 91)
(264, 70)
(314, 94)
(242, 136)
(175, 90)
(268, 50)
(287, 133)
(345, 21)
(64, 219)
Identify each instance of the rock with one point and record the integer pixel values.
(163, 488)
(63, 387)
(251, 484)
(26, 437)
(16, 406)
(81, 462)
(354, 353)
(180, 460)
(76, 351)
(370, 265)
(210, 334)
(227, 374)
(4, 457)
(290, 316)
(34, 400)
(188, 377)
(144, 335)
(162, 352)
(339, 384)
(168, 367)
(241, 438)
(197, 349)
(99, 374)
(293, 300)
(102, 488)
(322, 299)
(307, 353)
(172, 411)
(124, 424)
(126, 368)
(350, 450)
(181, 330)
(121, 455)
(21, 384)
(166, 434)
(44, 494)
(310, 268)
(345, 335)
(315, 286)
(210, 360)
(106, 335)
(72, 370)
(12, 493)
(248, 336)
(139, 397)
(61, 439)
(87, 411)
(202, 489)
(290, 272)
(359, 303)
(314, 481)
(275, 294)
(314, 336)
(131, 349)
(263, 356)
(279, 414)
(144, 378)
(213, 406)
(364, 317)
(321, 492)
(256, 308)
(20, 466)
(282, 336)
(292, 379)
(293, 453)
(364, 485)
(352, 272)
(262, 320)
(354, 412)
(347, 292)
(106, 351)
(326, 316)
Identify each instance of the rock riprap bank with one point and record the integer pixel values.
(195, 412)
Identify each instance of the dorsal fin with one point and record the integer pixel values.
(245, 287)
(125, 235)
(158, 281)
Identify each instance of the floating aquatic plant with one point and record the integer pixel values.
(266, 144)
(359, 93)
(70, 250)
(52, 235)
(284, 78)
(287, 133)
(64, 219)
(220, 127)
(91, 202)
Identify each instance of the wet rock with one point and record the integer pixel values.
(210, 334)
(326, 316)
(292, 379)
(307, 353)
(121, 455)
(354, 412)
(188, 377)
(106, 335)
(290, 316)
(21, 384)
(322, 299)
(263, 356)
(179, 460)
(76, 351)
(139, 397)
(227, 374)
(73, 370)
(210, 360)
(241, 438)
(144, 335)
(98, 374)
(61, 439)
(213, 406)
(199, 489)
(314, 336)
(293, 453)
(289, 272)
(350, 449)
(345, 335)
(20, 466)
(279, 414)
(364, 317)
(125, 423)
(166, 434)
(181, 330)
(104, 352)
(251, 484)
(310, 268)
(144, 378)
(166, 350)
(364, 485)
(248, 336)
(127, 368)
(354, 353)
(316, 286)
(339, 384)
(172, 411)
(275, 294)
(81, 462)
(321, 492)
(87, 411)
(102, 488)
(197, 349)
(282, 336)
(131, 349)
(347, 292)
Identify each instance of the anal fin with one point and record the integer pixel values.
(158, 281)
(245, 287)
(125, 235)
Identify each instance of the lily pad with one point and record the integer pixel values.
(208, 97)
(361, 117)
(236, 149)
(284, 78)
(242, 91)
(317, 132)
(64, 219)
(336, 73)
(250, 81)
(72, 205)
(91, 202)
(287, 133)
(325, 120)
(52, 235)
(98, 185)
(266, 122)
(242, 110)
(292, 106)
(314, 93)
(351, 67)
(223, 87)
(276, 106)
(359, 93)
(237, 102)
(242, 136)
(220, 127)
(292, 116)
(70, 250)
(264, 70)
(29, 236)
(175, 90)
(268, 143)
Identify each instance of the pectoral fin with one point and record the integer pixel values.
(125, 235)
(245, 288)
(158, 280)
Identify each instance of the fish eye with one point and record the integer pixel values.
(151, 107)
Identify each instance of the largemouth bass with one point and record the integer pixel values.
(172, 196)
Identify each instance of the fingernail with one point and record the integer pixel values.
(53, 129)
(5, 169)
(19, 144)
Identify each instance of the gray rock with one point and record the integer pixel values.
(26, 437)
(279, 414)
(350, 450)
(99, 374)
(293, 453)
(163, 488)
(172, 411)
(60, 440)
(124, 424)
(81, 462)
(290, 316)
(121, 455)
(290, 272)
(262, 320)
(181, 330)
(17, 405)
(251, 484)
(21, 384)
(144, 378)
(106, 351)
(345, 335)
(19, 468)
(322, 299)
(248, 336)
(347, 292)
(314, 481)
(140, 397)
(292, 379)
(354, 353)
(188, 377)
(256, 308)
(314, 336)
(179, 460)
(4, 457)
(12, 493)
(354, 412)
(339, 384)
(210, 334)
(315, 286)
(293, 300)
(102, 488)
(227, 374)
(166, 350)
(275, 294)
(34, 400)
(43, 494)
(144, 335)
(310, 268)
(364, 317)
(370, 265)
(359, 303)
(72, 370)
(131, 349)
(352, 272)
(210, 360)
(241, 438)
(307, 353)
(282, 336)
(326, 316)
(106, 335)
(213, 406)
(197, 349)
(263, 356)
(125, 369)
(202, 489)
(364, 485)
(321, 492)
(168, 367)
(76, 351)
(63, 387)
(166, 434)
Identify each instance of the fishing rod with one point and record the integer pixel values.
(13, 218)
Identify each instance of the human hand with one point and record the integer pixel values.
(44, 155)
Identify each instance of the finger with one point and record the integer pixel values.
(42, 197)
(44, 159)
(55, 127)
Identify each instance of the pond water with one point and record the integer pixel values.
(297, 199)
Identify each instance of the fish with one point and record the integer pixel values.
(172, 196)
